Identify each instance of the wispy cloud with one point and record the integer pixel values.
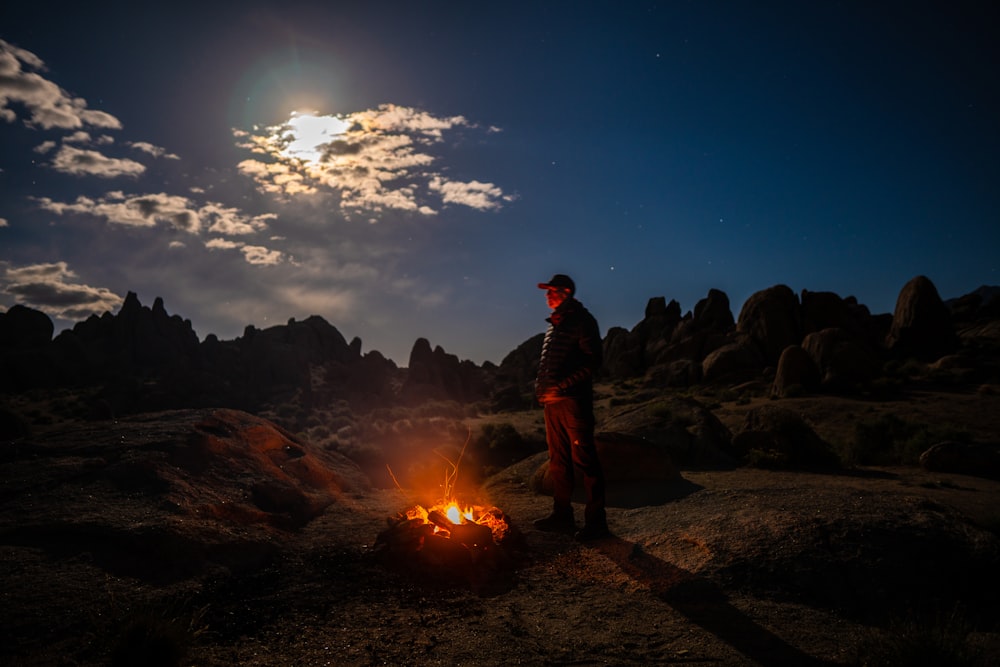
(54, 289)
(374, 160)
(48, 106)
(482, 196)
(253, 254)
(174, 211)
(85, 162)
(155, 151)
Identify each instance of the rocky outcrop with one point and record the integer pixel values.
(921, 323)
(663, 338)
(176, 493)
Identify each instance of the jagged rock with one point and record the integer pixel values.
(921, 323)
(774, 436)
(437, 375)
(844, 362)
(771, 319)
(796, 371)
(652, 335)
(713, 313)
(622, 355)
(520, 366)
(962, 458)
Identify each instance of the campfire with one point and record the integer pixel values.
(451, 540)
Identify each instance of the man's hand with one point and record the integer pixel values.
(549, 395)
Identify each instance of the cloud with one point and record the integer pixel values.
(155, 151)
(375, 160)
(133, 211)
(79, 162)
(174, 211)
(252, 253)
(482, 196)
(53, 289)
(48, 106)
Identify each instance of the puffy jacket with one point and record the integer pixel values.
(571, 354)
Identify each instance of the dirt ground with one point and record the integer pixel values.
(655, 593)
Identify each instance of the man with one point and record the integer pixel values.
(571, 356)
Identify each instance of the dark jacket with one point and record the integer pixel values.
(571, 354)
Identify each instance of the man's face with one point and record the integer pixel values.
(555, 296)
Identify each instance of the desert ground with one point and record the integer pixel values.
(867, 565)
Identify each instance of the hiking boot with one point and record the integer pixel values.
(592, 531)
(557, 522)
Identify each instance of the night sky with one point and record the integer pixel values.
(413, 169)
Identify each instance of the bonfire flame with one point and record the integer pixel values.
(446, 516)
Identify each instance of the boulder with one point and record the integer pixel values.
(688, 431)
(796, 372)
(734, 361)
(844, 362)
(921, 323)
(637, 472)
(771, 319)
(962, 458)
(23, 327)
(774, 436)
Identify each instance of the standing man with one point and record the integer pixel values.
(571, 356)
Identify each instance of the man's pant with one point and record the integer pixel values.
(569, 432)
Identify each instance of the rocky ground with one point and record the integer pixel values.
(214, 538)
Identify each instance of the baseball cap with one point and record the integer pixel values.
(560, 280)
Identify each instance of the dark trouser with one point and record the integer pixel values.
(569, 432)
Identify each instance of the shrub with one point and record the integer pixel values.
(499, 436)
(918, 642)
(889, 440)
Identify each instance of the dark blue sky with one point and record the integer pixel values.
(472, 150)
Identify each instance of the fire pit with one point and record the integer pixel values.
(447, 543)
(450, 541)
